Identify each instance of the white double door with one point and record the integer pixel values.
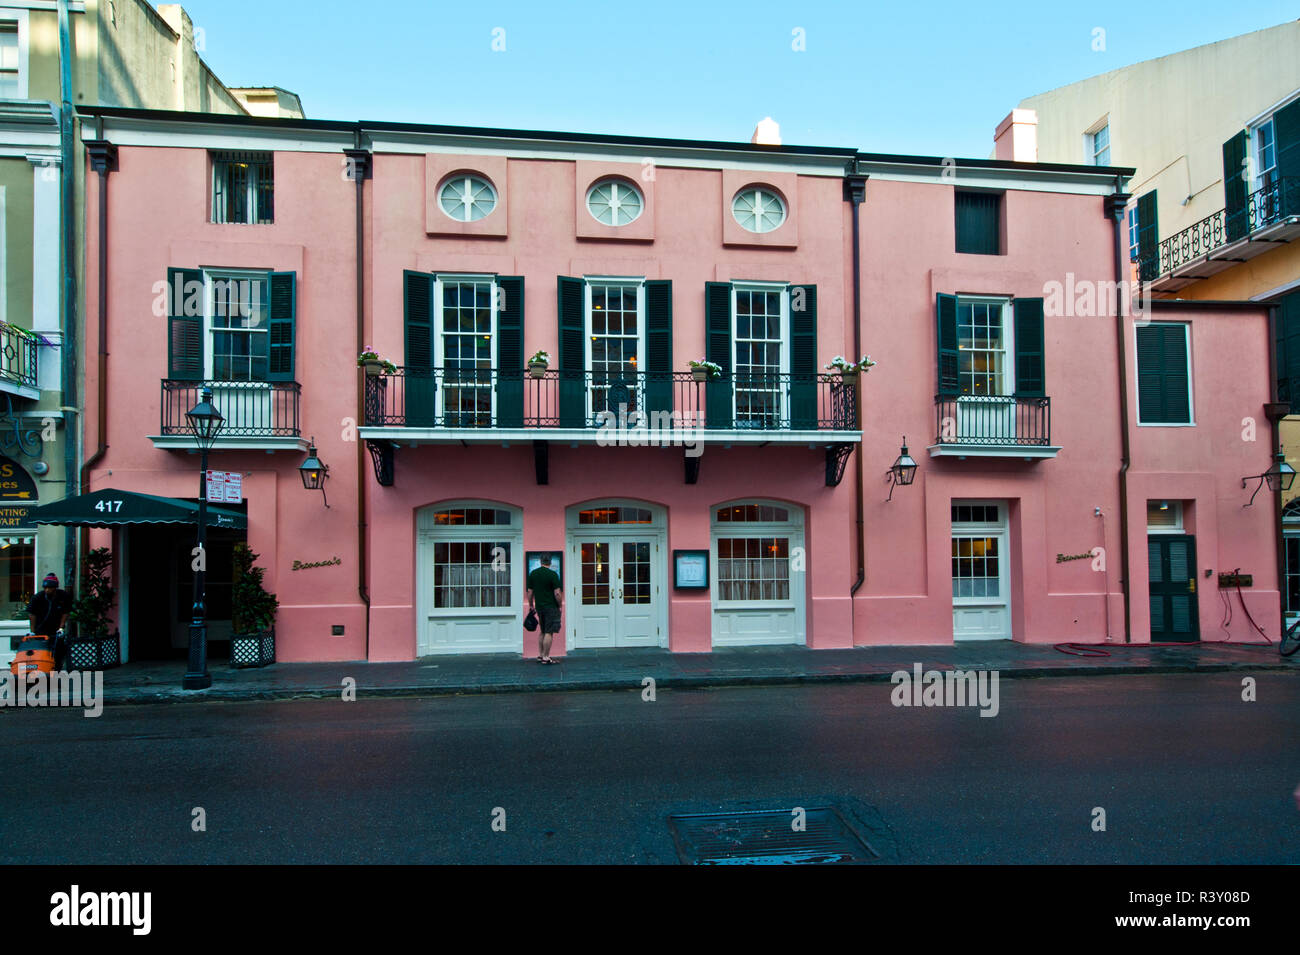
(615, 594)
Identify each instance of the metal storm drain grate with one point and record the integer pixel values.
(767, 838)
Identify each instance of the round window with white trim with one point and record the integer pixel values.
(466, 197)
(614, 202)
(758, 209)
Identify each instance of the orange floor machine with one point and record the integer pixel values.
(35, 655)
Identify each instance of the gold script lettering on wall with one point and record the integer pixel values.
(308, 565)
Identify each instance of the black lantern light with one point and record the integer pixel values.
(904, 470)
(314, 472)
(1279, 477)
(205, 420)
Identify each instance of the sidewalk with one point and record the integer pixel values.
(160, 682)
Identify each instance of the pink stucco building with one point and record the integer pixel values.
(1078, 474)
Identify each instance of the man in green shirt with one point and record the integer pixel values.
(546, 597)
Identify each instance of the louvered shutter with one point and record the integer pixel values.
(420, 383)
(571, 308)
(1288, 351)
(185, 324)
(510, 351)
(1286, 139)
(659, 345)
(803, 357)
(945, 310)
(1234, 187)
(1148, 237)
(717, 349)
(1029, 347)
(280, 326)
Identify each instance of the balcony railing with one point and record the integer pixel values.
(18, 355)
(251, 409)
(487, 398)
(993, 421)
(1264, 207)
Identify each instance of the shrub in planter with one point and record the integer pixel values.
(93, 646)
(252, 641)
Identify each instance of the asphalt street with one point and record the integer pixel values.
(1185, 770)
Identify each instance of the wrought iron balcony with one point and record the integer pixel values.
(975, 424)
(256, 413)
(1275, 202)
(487, 398)
(18, 355)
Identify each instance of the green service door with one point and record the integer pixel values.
(1171, 561)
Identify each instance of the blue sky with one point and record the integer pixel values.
(927, 76)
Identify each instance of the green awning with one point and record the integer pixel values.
(110, 508)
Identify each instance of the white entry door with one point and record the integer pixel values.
(981, 592)
(615, 597)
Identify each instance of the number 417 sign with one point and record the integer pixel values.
(225, 487)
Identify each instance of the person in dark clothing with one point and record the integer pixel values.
(47, 615)
(546, 597)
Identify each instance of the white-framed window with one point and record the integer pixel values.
(1099, 146)
(472, 551)
(753, 544)
(467, 197)
(465, 347)
(243, 188)
(1133, 232)
(758, 209)
(236, 326)
(615, 341)
(13, 54)
(1164, 517)
(984, 347)
(760, 335)
(1264, 158)
(17, 573)
(979, 571)
(1291, 541)
(614, 201)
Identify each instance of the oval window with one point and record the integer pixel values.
(467, 198)
(614, 202)
(758, 209)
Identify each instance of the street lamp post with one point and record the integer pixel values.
(205, 421)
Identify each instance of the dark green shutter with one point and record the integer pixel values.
(946, 318)
(1234, 187)
(1288, 351)
(571, 309)
(420, 385)
(1029, 347)
(280, 334)
(510, 352)
(1148, 237)
(659, 345)
(717, 349)
(1286, 139)
(1164, 396)
(184, 331)
(803, 357)
(976, 215)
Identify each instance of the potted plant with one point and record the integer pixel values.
(849, 370)
(252, 640)
(538, 364)
(94, 647)
(703, 370)
(374, 365)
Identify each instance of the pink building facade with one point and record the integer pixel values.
(1078, 475)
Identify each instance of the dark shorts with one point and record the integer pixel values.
(550, 617)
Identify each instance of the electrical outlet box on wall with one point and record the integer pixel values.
(1236, 580)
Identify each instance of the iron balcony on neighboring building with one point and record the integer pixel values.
(258, 415)
(489, 405)
(18, 361)
(1269, 217)
(1003, 426)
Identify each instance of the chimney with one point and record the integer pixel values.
(1016, 137)
(766, 133)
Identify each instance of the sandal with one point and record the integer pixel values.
(548, 660)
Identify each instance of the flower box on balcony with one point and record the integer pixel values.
(537, 369)
(373, 368)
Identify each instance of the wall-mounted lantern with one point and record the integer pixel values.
(903, 472)
(1279, 477)
(314, 473)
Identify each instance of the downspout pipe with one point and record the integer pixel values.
(1115, 205)
(68, 385)
(1276, 411)
(855, 192)
(103, 160)
(359, 168)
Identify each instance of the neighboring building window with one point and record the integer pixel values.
(614, 202)
(467, 198)
(1265, 154)
(615, 329)
(10, 78)
(1099, 146)
(759, 334)
(465, 349)
(1291, 537)
(1163, 374)
(238, 327)
(978, 222)
(1133, 233)
(983, 346)
(758, 209)
(471, 574)
(242, 188)
(17, 574)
